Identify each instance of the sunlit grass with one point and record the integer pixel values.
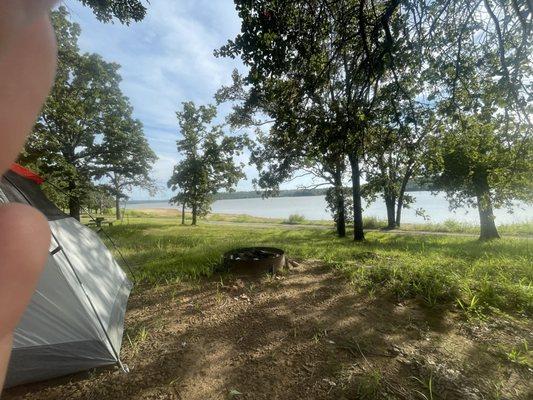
(448, 226)
(435, 269)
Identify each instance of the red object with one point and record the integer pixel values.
(26, 173)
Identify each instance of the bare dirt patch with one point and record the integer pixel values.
(305, 335)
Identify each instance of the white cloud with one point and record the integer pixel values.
(166, 59)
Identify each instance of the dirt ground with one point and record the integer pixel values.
(305, 335)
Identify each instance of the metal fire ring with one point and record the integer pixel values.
(254, 260)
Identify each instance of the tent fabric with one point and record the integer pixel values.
(55, 309)
(3, 197)
(75, 319)
(26, 173)
(91, 260)
(18, 189)
(50, 361)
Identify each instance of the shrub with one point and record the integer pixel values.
(295, 219)
(373, 222)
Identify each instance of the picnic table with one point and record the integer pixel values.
(98, 221)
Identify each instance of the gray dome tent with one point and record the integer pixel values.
(75, 318)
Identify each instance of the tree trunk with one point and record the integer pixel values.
(117, 188)
(399, 203)
(117, 207)
(183, 214)
(73, 202)
(390, 203)
(341, 217)
(399, 206)
(358, 232)
(194, 211)
(74, 207)
(487, 226)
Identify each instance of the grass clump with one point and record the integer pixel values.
(521, 355)
(373, 223)
(470, 307)
(369, 384)
(295, 219)
(409, 281)
(428, 386)
(137, 338)
(453, 226)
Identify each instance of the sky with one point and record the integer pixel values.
(166, 59)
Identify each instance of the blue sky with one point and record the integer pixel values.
(166, 59)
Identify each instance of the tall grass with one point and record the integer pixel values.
(295, 219)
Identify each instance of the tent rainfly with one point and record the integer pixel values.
(75, 319)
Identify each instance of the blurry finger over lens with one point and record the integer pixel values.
(35, 8)
(23, 12)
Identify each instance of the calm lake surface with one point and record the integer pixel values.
(314, 208)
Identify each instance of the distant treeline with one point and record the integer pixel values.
(413, 186)
(418, 186)
(282, 193)
(252, 194)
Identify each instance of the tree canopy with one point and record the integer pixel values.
(208, 163)
(126, 158)
(372, 81)
(123, 10)
(86, 124)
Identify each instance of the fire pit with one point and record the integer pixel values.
(254, 260)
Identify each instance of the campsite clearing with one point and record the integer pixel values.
(398, 317)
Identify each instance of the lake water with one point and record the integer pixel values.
(314, 208)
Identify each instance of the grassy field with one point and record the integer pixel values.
(400, 316)
(448, 226)
(460, 271)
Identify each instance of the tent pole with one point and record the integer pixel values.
(123, 367)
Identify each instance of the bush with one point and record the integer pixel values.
(295, 219)
(410, 281)
(451, 225)
(373, 222)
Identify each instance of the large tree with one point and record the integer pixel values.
(482, 155)
(319, 59)
(123, 10)
(279, 160)
(394, 152)
(125, 158)
(400, 122)
(480, 166)
(286, 151)
(208, 163)
(337, 56)
(67, 143)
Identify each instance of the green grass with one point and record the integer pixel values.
(452, 226)
(448, 226)
(435, 269)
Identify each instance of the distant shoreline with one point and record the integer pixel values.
(282, 193)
